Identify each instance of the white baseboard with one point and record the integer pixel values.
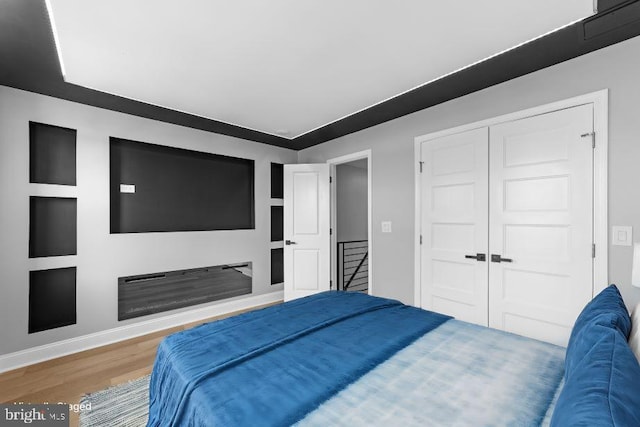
(54, 350)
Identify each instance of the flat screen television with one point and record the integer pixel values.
(155, 188)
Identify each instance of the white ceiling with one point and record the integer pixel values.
(286, 67)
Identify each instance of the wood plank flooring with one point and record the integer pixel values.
(67, 378)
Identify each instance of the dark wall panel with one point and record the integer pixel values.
(52, 154)
(52, 226)
(277, 266)
(277, 186)
(277, 223)
(178, 190)
(52, 298)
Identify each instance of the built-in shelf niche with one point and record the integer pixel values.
(277, 223)
(52, 154)
(52, 226)
(277, 176)
(277, 266)
(52, 298)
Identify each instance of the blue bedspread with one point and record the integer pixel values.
(273, 366)
(459, 375)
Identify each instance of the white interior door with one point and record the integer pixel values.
(306, 230)
(454, 225)
(541, 200)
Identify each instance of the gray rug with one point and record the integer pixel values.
(121, 405)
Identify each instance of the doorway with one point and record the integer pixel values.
(351, 222)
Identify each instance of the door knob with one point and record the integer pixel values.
(498, 258)
(478, 257)
(289, 242)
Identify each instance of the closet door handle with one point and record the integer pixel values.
(478, 257)
(289, 242)
(498, 258)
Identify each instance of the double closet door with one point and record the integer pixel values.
(507, 214)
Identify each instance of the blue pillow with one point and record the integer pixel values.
(607, 309)
(604, 389)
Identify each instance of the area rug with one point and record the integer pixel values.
(121, 405)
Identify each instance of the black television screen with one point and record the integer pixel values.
(157, 188)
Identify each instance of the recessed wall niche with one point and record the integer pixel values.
(157, 188)
(277, 224)
(277, 266)
(277, 179)
(52, 154)
(52, 226)
(52, 298)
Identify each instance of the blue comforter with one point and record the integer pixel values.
(456, 375)
(273, 366)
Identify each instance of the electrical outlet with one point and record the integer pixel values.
(386, 226)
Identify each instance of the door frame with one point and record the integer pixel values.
(365, 154)
(600, 101)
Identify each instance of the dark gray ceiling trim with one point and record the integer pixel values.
(28, 61)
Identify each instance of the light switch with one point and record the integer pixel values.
(386, 226)
(127, 188)
(621, 235)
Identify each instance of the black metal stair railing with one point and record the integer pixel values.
(353, 266)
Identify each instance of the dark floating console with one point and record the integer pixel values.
(157, 292)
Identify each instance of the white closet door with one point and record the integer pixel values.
(454, 225)
(541, 220)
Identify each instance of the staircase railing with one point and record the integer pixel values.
(353, 266)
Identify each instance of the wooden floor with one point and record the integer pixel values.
(67, 378)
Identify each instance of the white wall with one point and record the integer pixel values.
(616, 67)
(103, 257)
(351, 202)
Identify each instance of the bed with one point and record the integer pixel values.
(342, 358)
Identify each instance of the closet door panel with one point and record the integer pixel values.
(454, 225)
(541, 223)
